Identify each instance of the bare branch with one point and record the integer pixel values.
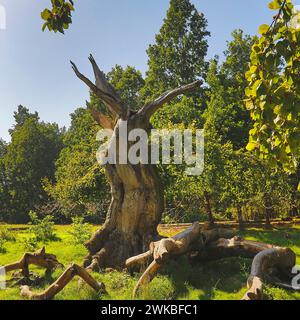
(146, 278)
(113, 104)
(103, 120)
(140, 260)
(101, 81)
(149, 109)
(61, 282)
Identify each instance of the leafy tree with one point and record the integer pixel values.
(239, 182)
(237, 58)
(198, 197)
(21, 115)
(178, 55)
(81, 232)
(30, 158)
(128, 82)
(80, 188)
(273, 191)
(274, 89)
(177, 58)
(4, 192)
(42, 229)
(226, 111)
(3, 148)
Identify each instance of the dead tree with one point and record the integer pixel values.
(137, 196)
(135, 212)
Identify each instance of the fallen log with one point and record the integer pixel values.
(39, 258)
(189, 240)
(270, 263)
(203, 245)
(61, 282)
(234, 247)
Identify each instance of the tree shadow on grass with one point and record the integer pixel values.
(201, 281)
(280, 236)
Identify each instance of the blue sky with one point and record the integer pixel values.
(34, 66)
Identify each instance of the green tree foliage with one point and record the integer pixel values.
(128, 82)
(29, 158)
(192, 198)
(3, 147)
(178, 55)
(42, 229)
(21, 115)
(59, 17)
(226, 111)
(81, 232)
(80, 188)
(273, 95)
(235, 183)
(4, 192)
(177, 58)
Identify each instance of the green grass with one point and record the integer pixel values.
(217, 280)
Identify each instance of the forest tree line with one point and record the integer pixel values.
(54, 171)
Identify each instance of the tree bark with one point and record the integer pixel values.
(39, 258)
(137, 196)
(208, 209)
(276, 262)
(268, 212)
(240, 217)
(61, 282)
(161, 251)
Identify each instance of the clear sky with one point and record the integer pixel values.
(34, 66)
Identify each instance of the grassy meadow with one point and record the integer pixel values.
(217, 280)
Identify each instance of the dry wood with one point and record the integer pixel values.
(61, 282)
(234, 247)
(40, 259)
(140, 259)
(146, 277)
(149, 109)
(276, 260)
(211, 245)
(182, 243)
(105, 121)
(111, 101)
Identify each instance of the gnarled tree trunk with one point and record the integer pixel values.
(137, 196)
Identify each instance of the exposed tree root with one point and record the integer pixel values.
(61, 282)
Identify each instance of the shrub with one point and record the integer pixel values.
(81, 232)
(2, 246)
(6, 235)
(43, 229)
(30, 244)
